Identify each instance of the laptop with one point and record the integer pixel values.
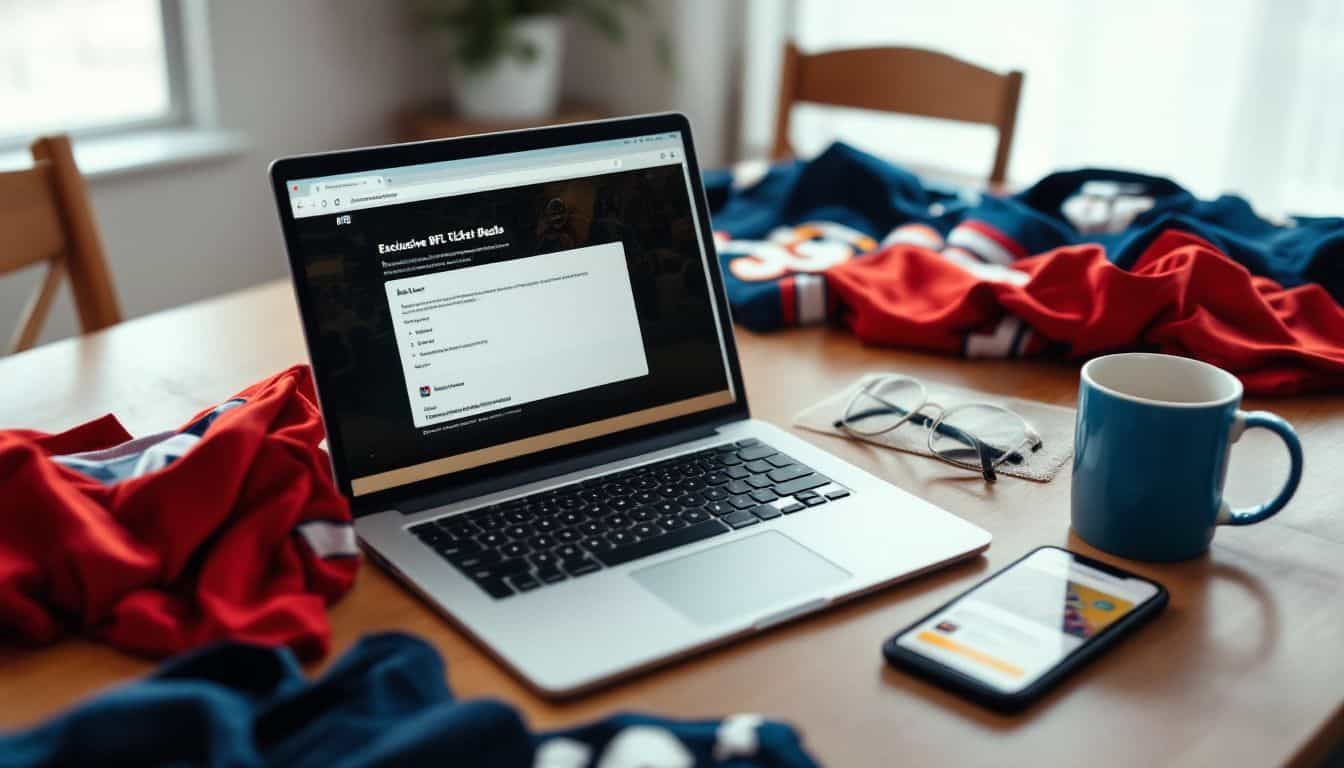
(525, 362)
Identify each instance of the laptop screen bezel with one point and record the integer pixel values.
(485, 145)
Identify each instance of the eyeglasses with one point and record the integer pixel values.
(974, 436)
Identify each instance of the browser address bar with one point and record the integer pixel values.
(450, 187)
(347, 199)
(512, 178)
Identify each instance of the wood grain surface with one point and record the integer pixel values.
(1245, 668)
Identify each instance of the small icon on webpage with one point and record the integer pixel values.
(425, 391)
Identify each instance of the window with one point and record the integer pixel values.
(1221, 95)
(87, 66)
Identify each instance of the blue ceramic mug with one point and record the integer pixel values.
(1150, 455)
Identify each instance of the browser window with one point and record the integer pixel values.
(477, 310)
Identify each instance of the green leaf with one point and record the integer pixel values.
(482, 30)
(524, 51)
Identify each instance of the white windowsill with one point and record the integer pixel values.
(103, 157)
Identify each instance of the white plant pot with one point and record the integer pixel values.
(513, 89)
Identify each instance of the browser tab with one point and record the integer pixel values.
(348, 185)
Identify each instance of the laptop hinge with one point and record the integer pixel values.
(555, 469)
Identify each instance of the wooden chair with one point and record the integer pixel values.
(45, 217)
(909, 81)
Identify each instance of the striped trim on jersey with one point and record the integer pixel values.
(329, 539)
(986, 242)
(1010, 338)
(921, 235)
(802, 299)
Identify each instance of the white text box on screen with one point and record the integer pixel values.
(481, 339)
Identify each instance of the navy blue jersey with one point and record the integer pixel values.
(383, 703)
(777, 237)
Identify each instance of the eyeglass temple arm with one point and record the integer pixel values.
(986, 460)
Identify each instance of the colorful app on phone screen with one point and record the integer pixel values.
(1015, 627)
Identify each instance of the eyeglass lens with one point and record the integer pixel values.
(1001, 431)
(883, 404)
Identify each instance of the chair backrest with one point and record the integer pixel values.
(909, 81)
(45, 217)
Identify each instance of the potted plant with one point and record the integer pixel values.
(506, 53)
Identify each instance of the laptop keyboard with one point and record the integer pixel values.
(574, 530)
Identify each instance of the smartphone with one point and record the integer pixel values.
(1010, 638)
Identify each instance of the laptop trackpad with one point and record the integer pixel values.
(741, 578)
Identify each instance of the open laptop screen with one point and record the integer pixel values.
(477, 310)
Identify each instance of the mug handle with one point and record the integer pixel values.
(1266, 420)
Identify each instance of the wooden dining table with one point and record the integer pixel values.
(1246, 666)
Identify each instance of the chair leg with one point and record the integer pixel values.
(39, 304)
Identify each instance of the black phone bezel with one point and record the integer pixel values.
(993, 698)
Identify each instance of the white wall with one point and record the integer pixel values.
(297, 76)
(309, 75)
(702, 81)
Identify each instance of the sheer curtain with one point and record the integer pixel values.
(1222, 95)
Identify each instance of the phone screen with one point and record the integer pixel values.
(1015, 627)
